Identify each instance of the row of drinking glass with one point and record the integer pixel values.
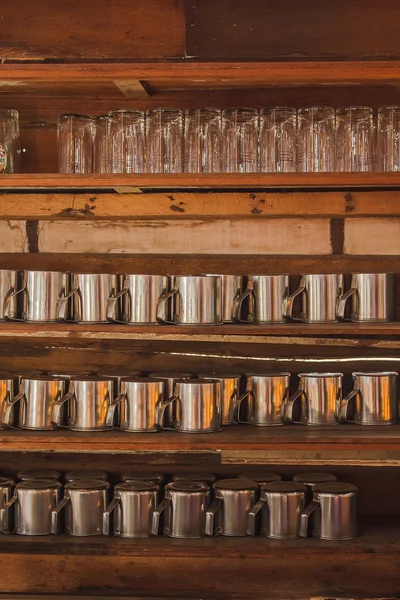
(189, 509)
(180, 402)
(50, 296)
(242, 140)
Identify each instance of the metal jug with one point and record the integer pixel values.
(373, 400)
(266, 395)
(184, 507)
(91, 295)
(85, 501)
(319, 295)
(320, 397)
(230, 390)
(266, 294)
(133, 506)
(372, 298)
(170, 379)
(228, 514)
(140, 400)
(33, 502)
(193, 300)
(139, 295)
(232, 287)
(9, 285)
(6, 516)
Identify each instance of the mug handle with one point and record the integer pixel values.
(235, 410)
(341, 303)
(251, 524)
(112, 306)
(344, 406)
(288, 302)
(155, 524)
(7, 302)
(56, 413)
(61, 310)
(106, 514)
(9, 404)
(112, 408)
(288, 410)
(238, 302)
(3, 511)
(55, 512)
(210, 516)
(163, 406)
(161, 306)
(306, 514)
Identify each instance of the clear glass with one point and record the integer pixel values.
(164, 140)
(127, 141)
(278, 139)
(102, 145)
(240, 140)
(388, 138)
(316, 139)
(75, 137)
(354, 139)
(202, 140)
(10, 141)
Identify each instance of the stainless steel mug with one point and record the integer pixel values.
(334, 512)
(266, 294)
(91, 295)
(6, 394)
(319, 396)
(228, 514)
(170, 379)
(88, 400)
(319, 295)
(310, 480)
(267, 395)
(139, 296)
(146, 476)
(281, 504)
(85, 501)
(201, 477)
(232, 287)
(373, 400)
(38, 474)
(37, 399)
(230, 390)
(41, 292)
(7, 487)
(184, 507)
(33, 502)
(193, 300)
(261, 478)
(9, 283)
(140, 400)
(133, 506)
(372, 298)
(198, 406)
(86, 474)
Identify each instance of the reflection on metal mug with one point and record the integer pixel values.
(320, 396)
(319, 295)
(230, 388)
(139, 296)
(228, 514)
(372, 298)
(140, 400)
(37, 398)
(373, 400)
(90, 295)
(133, 506)
(85, 501)
(193, 300)
(184, 507)
(266, 295)
(281, 504)
(267, 395)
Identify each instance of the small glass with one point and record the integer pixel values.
(354, 139)
(75, 137)
(127, 141)
(278, 138)
(164, 140)
(10, 142)
(240, 140)
(202, 140)
(102, 150)
(388, 138)
(316, 139)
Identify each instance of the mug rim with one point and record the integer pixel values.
(324, 375)
(374, 373)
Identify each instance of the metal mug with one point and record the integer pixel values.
(372, 298)
(41, 292)
(133, 506)
(86, 474)
(376, 400)
(310, 480)
(139, 297)
(198, 406)
(232, 287)
(319, 295)
(7, 487)
(6, 394)
(228, 514)
(140, 399)
(88, 400)
(39, 474)
(170, 379)
(37, 398)
(230, 390)
(266, 294)
(281, 504)
(184, 507)
(33, 502)
(267, 395)
(334, 512)
(320, 397)
(90, 295)
(85, 501)
(193, 300)
(261, 478)
(201, 477)
(146, 476)
(9, 281)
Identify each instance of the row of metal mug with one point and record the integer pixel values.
(50, 296)
(189, 509)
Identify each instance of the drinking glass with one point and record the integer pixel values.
(354, 139)
(278, 140)
(10, 143)
(127, 141)
(240, 140)
(75, 136)
(316, 139)
(202, 140)
(388, 138)
(164, 140)
(102, 152)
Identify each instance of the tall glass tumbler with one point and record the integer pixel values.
(202, 140)
(354, 139)
(127, 141)
(388, 138)
(10, 143)
(316, 139)
(102, 149)
(240, 140)
(278, 139)
(164, 140)
(75, 137)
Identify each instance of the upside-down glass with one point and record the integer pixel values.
(202, 140)
(316, 139)
(127, 141)
(354, 139)
(240, 140)
(10, 144)
(164, 140)
(278, 140)
(388, 138)
(102, 150)
(75, 136)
